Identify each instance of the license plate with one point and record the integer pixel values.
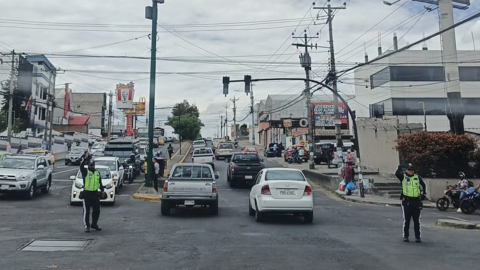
(287, 192)
(248, 177)
(189, 202)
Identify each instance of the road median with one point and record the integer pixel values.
(457, 224)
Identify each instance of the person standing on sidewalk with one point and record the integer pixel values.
(348, 174)
(156, 166)
(170, 151)
(412, 196)
(92, 181)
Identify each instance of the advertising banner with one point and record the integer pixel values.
(125, 96)
(324, 114)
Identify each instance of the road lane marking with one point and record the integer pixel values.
(61, 180)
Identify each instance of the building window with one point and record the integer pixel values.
(417, 74)
(433, 106)
(380, 78)
(469, 74)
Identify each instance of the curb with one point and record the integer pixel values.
(148, 198)
(186, 154)
(347, 198)
(456, 224)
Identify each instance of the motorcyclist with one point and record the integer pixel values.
(295, 155)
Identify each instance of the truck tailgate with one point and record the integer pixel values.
(179, 188)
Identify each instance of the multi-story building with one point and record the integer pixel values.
(411, 84)
(93, 105)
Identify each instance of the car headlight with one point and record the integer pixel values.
(110, 185)
(23, 177)
(130, 167)
(78, 185)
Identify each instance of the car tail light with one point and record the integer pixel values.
(308, 191)
(233, 169)
(165, 187)
(266, 190)
(214, 188)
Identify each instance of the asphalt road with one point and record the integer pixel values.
(135, 236)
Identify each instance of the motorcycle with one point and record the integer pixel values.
(451, 197)
(471, 202)
(290, 160)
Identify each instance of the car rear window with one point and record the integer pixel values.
(246, 158)
(192, 173)
(226, 146)
(202, 151)
(284, 175)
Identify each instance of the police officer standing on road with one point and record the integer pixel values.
(411, 197)
(92, 181)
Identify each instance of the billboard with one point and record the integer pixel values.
(125, 95)
(138, 108)
(324, 113)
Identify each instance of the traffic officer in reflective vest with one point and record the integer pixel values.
(412, 196)
(92, 181)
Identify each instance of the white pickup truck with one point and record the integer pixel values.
(189, 185)
(204, 155)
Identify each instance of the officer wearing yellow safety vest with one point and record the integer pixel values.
(412, 196)
(92, 181)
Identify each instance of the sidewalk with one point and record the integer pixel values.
(148, 193)
(330, 179)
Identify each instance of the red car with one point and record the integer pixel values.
(250, 150)
(302, 152)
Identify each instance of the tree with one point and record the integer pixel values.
(20, 100)
(185, 121)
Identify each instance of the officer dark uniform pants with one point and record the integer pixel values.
(411, 208)
(91, 200)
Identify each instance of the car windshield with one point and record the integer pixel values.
(18, 163)
(109, 163)
(104, 173)
(285, 175)
(239, 158)
(192, 172)
(226, 146)
(77, 151)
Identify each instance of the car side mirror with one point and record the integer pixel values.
(41, 167)
(216, 176)
(72, 177)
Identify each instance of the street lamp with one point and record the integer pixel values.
(424, 115)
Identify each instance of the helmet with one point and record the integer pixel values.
(461, 174)
(410, 167)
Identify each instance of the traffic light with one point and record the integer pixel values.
(226, 81)
(248, 82)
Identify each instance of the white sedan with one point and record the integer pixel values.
(281, 190)
(107, 182)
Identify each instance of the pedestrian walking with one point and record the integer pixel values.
(348, 174)
(412, 196)
(92, 181)
(156, 167)
(275, 148)
(170, 151)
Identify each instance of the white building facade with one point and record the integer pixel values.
(406, 81)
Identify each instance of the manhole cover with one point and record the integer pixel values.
(55, 245)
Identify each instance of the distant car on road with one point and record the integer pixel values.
(75, 156)
(199, 143)
(281, 191)
(250, 150)
(25, 174)
(190, 185)
(107, 182)
(242, 168)
(204, 155)
(224, 150)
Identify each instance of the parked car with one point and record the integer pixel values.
(75, 156)
(224, 150)
(281, 190)
(242, 168)
(25, 174)
(322, 152)
(302, 152)
(250, 150)
(48, 155)
(116, 168)
(190, 185)
(204, 155)
(107, 182)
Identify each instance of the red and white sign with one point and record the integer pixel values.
(125, 96)
(129, 125)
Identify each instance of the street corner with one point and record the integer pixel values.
(147, 194)
(457, 224)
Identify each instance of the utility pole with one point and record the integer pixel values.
(306, 62)
(152, 14)
(226, 121)
(234, 100)
(110, 115)
(333, 76)
(221, 126)
(52, 102)
(10, 100)
(252, 111)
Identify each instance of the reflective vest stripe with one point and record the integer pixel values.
(411, 186)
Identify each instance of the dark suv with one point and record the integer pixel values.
(322, 152)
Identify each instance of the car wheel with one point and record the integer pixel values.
(308, 218)
(31, 191)
(165, 208)
(251, 211)
(66, 163)
(214, 207)
(258, 215)
(46, 189)
(232, 183)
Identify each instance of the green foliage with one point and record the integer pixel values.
(444, 154)
(185, 121)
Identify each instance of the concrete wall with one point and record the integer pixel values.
(90, 104)
(436, 186)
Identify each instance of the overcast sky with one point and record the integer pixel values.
(200, 41)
